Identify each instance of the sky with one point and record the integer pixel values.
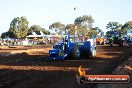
(45, 12)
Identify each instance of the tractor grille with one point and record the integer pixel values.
(53, 55)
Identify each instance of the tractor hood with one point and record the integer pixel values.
(54, 51)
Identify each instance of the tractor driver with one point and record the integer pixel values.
(65, 42)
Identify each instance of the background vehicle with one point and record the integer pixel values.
(114, 38)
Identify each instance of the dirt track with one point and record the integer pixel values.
(31, 70)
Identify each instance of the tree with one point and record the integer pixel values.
(37, 28)
(113, 26)
(57, 27)
(85, 20)
(8, 35)
(3, 35)
(99, 31)
(34, 28)
(70, 28)
(19, 26)
(92, 32)
(46, 32)
(81, 30)
(84, 25)
(126, 26)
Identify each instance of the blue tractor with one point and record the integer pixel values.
(72, 50)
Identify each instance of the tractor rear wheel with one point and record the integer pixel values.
(75, 53)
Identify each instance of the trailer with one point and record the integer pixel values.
(68, 49)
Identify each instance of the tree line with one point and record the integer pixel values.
(116, 26)
(82, 25)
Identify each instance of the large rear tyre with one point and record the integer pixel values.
(75, 53)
